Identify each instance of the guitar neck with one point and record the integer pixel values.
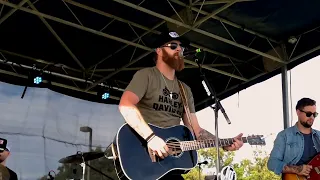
(201, 144)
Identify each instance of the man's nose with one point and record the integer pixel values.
(178, 48)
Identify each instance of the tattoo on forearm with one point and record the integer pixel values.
(292, 169)
(203, 134)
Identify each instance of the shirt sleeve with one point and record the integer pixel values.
(275, 162)
(139, 83)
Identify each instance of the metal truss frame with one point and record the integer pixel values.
(289, 56)
(194, 27)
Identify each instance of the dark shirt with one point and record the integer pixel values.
(309, 150)
(13, 175)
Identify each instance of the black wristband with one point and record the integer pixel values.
(150, 136)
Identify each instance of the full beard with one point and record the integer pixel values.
(306, 124)
(175, 62)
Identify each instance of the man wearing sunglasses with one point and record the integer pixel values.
(295, 146)
(4, 154)
(153, 97)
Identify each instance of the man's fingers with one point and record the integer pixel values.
(159, 153)
(233, 146)
(167, 151)
(164, 152)
(166, 148)
(239, 136)
(236, 145)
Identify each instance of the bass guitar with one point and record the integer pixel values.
(134, 160)
(314, 173)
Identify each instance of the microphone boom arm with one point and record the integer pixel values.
(217, 105)
(211, 92)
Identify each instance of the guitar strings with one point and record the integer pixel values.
(178, 144)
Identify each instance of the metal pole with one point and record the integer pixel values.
(90, 149)
(90, 141)
(284, 80)
(87, 129)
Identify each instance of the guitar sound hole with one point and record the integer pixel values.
(174, 147)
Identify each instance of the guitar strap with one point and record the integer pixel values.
(183, 95)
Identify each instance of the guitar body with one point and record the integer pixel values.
(293, 177)
(133, 159)
(314, 174)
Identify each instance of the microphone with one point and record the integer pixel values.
(191, 52)
(204, 162)
(49, 176)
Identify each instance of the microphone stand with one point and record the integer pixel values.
(216, 107)
(199, 164)
(84, 164)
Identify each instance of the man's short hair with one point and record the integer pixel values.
(305, 102)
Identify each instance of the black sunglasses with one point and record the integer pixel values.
(174, 46)
(308, 114)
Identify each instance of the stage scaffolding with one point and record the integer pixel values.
(278, 50)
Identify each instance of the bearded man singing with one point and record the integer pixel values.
(153, 97)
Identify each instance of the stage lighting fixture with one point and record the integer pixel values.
(105, 95)
(37, 80)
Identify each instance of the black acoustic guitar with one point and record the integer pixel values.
(133, 159)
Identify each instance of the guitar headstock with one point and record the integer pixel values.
(256, 140)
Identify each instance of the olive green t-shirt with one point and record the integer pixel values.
(156, 105)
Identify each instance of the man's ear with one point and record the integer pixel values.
(158, 50)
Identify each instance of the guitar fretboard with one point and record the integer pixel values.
(200, 144)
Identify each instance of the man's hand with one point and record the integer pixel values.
(305, 170)
(158, 146)
(236, 145)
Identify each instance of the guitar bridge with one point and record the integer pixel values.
(317, 170)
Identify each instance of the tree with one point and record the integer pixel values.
(246, 169)
(210, 155)
(65, 171)
(256, 170)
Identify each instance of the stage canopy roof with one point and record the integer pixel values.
(84, 47)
